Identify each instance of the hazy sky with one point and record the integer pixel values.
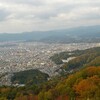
(33, 15)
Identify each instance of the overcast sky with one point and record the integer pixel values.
(33, 15)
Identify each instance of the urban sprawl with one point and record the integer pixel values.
(20, 56)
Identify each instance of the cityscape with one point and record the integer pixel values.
(20, 56)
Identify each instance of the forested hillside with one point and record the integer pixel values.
(29, 77)
(89, 57)
(82, 85)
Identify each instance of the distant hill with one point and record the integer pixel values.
(79, 34)
(29, 77)
(82, 58)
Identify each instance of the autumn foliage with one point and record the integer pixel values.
(82, 85)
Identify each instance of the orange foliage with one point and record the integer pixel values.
(87, 86)
(62, 98)
(93, 71)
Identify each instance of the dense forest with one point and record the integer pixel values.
(82, 84)
(29, 77)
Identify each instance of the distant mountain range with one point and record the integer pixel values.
(72, 35)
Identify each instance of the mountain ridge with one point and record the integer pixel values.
(79, 34)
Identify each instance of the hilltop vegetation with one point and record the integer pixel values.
(29, 77)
